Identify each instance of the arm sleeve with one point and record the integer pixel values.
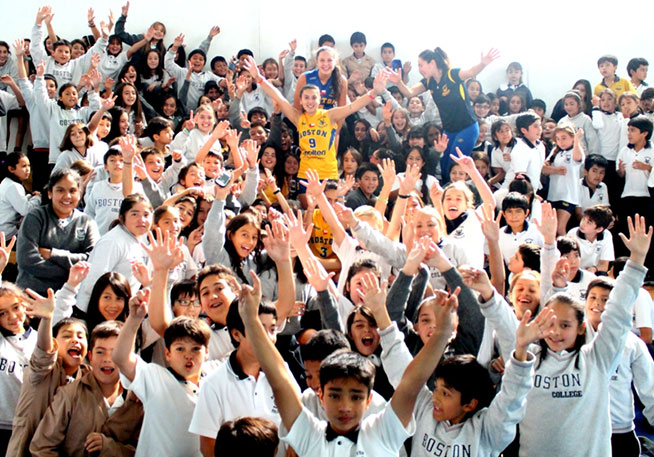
(549, 255)
(275, 135)
(183, 97)
(501, 318)
(234, 113)
(417, 293)
(395, 355)
(205, 44)
(20, 202)
(393, 252)
(51, 432)
(128, 38)
(642, 368)
(154, 193)
(27, 249)
(393, 141)
(598, 119)
(67, 259)
(328, 308)
(592, 139)
(213, 239)
(471, 321)
(37, 50)
(397, 297)
(172, 68)
(64, 302)
(249, 192)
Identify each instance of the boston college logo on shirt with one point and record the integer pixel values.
(80, 233)
(458, 233)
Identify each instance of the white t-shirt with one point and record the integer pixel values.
(599, 197)
(510, 242)
(593, 252)
(470, 239)
(636, 181)
(526, 158)
(565, 187)
(498, 160)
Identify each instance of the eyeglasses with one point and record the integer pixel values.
(187, 303)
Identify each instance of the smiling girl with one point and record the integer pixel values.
(14, 202)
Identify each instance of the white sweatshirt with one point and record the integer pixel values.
(39, 121)
(104, 200)
(14, 204)
(15, 353)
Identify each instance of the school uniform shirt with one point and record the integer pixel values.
(15, 353)
(257, 98)
(379, 435)
(111, 65)
(191, 142)
(115, 251)
(526, 158)
(80, 408)
(619, 86)
(488, 432)
(158, 192)
(229, 393)
(198, 80)
(14, 205)
(565, 187)
(592, 252)
(643, 312)
(39, 121)
(636, 181)
(610, 130)
(636, 366)
(69, 157)
(168, 401)
(73, 69)
(103, 202)
(470, 239)
(579, 284)
(498, 160)
(350, 251)
(589, 197)
(510, 242)
(570, 398)
(590, 141)
(8, 102)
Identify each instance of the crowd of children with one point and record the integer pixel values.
(304, 256)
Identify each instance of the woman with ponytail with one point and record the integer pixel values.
(327, 77)
(447, 87)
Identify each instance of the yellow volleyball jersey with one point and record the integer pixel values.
(317, 136)
(321, 237)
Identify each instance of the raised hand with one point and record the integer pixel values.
(464, 161)
(149, 34)
(251, 149)
(477, 280)
(445, 307)
(540, 327)
(128, 147)
(345, 215)
(344, 186)
(639, 239)
(316, 274)
(436, 258)
(249, 299)
(215, 30)
(379, 84)
(277, 243)
(38, 306)
(125, 9)
(394, 76)
(298, 235)
(138, 304)
(561, 273)
(250, 65)
(410, 180)
(548, 223)
(489, 227)
(491, 55)
(440, 144)
(293, 44)
(178, 41)
(141, 273)
(387, 113)
(436, 194)
(190, 123)
(5, 250)
(416, 256)
(165, 252)
(19, 47)
(373, 294)
(77, 273)
(314, 187)
(40, 69)
(387, 170)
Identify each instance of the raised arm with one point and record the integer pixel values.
(387, 171)
(341, 112)
(485, 60)
(407, 184)
(278, 248)
(43, 308)
(141, 43)
(128, 148)
(396, 77)
(491, 229)
(123, 354)
(286, 396)
(468, 166)
(316, 189)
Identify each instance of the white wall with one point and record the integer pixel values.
(557, 42)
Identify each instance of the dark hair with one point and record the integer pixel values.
(123, 72)
(119, 285)
(601, 215)
(647, 94)
(337, 84)
(247, 436)
(185, 327)
(365, 312)
(49, 77)
(566, 245)
(602, 283)
(324, 343)
(257, 110)
(347, 365)
(234, 321)
(644, 125)
(78, 41)
(155, 126)
(236, 263)
(358, 37)
(524, 121)
(515, 200)
(218, 270)
(6, 45)
(114, 130)
(60, 42)
(530, 254)
(303, 59)
(65, 322)
(61, 173)
(497, 125)
(136, 108)
(211, 84)
(522, 184)
(607, 58)
(595, 160)
(62, 89)
(145, 153)
(437, 55)
(481, 99)
(217, 59)
(635, 63)
(185, 169)
(106, 329)
(388, 45)
(384, 153)
(364, 168)
(129, 202)
(180, 288)
(325, 39)
(578, 308)
(244, 52)
(116, 39)
(587, 104)
(12, 160)
(538, 103)
(465, 375)
(67, 143)
(618, 265)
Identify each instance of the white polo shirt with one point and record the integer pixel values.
(635, 180)
(577, 287)
(592, 252)
(526, 158)
(227, 394)
(510, 242)
(380, 435)
(168, 403)
(311, 401)
(220, 344)
(599, 197)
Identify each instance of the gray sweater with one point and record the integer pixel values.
(69, 245)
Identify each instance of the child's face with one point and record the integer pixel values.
(170, 107)
(153, 60)
(258, 134)
(628, 107)
(635, 136)
(360, 131)
(129, 95)
(387, 55)
(398, 120)
(515, 218)
(398, 97)
(78, 51)
(516, 264)
(269, 323)
(187, 305)
(164, 137)
(245, 240)
(548, 130)
(154, 165)
(110, 304)
(350, 165)
(78, 138)
(138, 219)
(525, 295)
(426, 322)
(291, 166)
(312, 374)
(514, 76)
(474, 90)
(12, 314)
(271, 71)
(123, 124)
(103, 367)
(22, 170)
(574, 260)
(359, 49)
(457, 173)
(515, 104)
(414, 158)
(595, 305)
(427, 225)
(571, 106)
(104, 126)
(566, 328)
(482, 167)
(454, 203)
(216, 295)
(69, 97)
(588, 227)
(595, 175)
(607, 69)
(607, 103)
(269, 158)
(533, 132)
(220, 68)
(72, 343)
(170, 223)
(211, 166)
(310, 99)
(61, 54)
(203, 210)
(299, 67)
(186, 212)
(369, 182)
(495, 106)
(481, 109)
(415, 105)
(196, 62)
(564, 139)
(194, 178)
(204, 121)
(65, 196)
(641, 72)
(4, 55)
(345, 401)
(447, 403)
(159, 32)
(646, 104)
(51, 87)
(185, 356)
(483, 132)
(114, 47)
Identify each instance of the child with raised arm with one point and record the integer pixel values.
(163, 390)
(92, 414)
(570, 399)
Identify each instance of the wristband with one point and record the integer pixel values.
(91, 24)
(402, 196)
(276, 192)
(382, 199)
(127, 163)
(187, 131)
(260, 80)
(371, 96)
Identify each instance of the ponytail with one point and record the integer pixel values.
(437, 55)
(11, 160)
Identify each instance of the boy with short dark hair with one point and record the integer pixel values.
(595, 241)
(607, 65)
(158, 181)
(359, 61)
(367, 176)
(518, 230)
(637, 71)
(593, 189)
(92, 416)
(160, 131)
(247, 436)
(162, 390)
